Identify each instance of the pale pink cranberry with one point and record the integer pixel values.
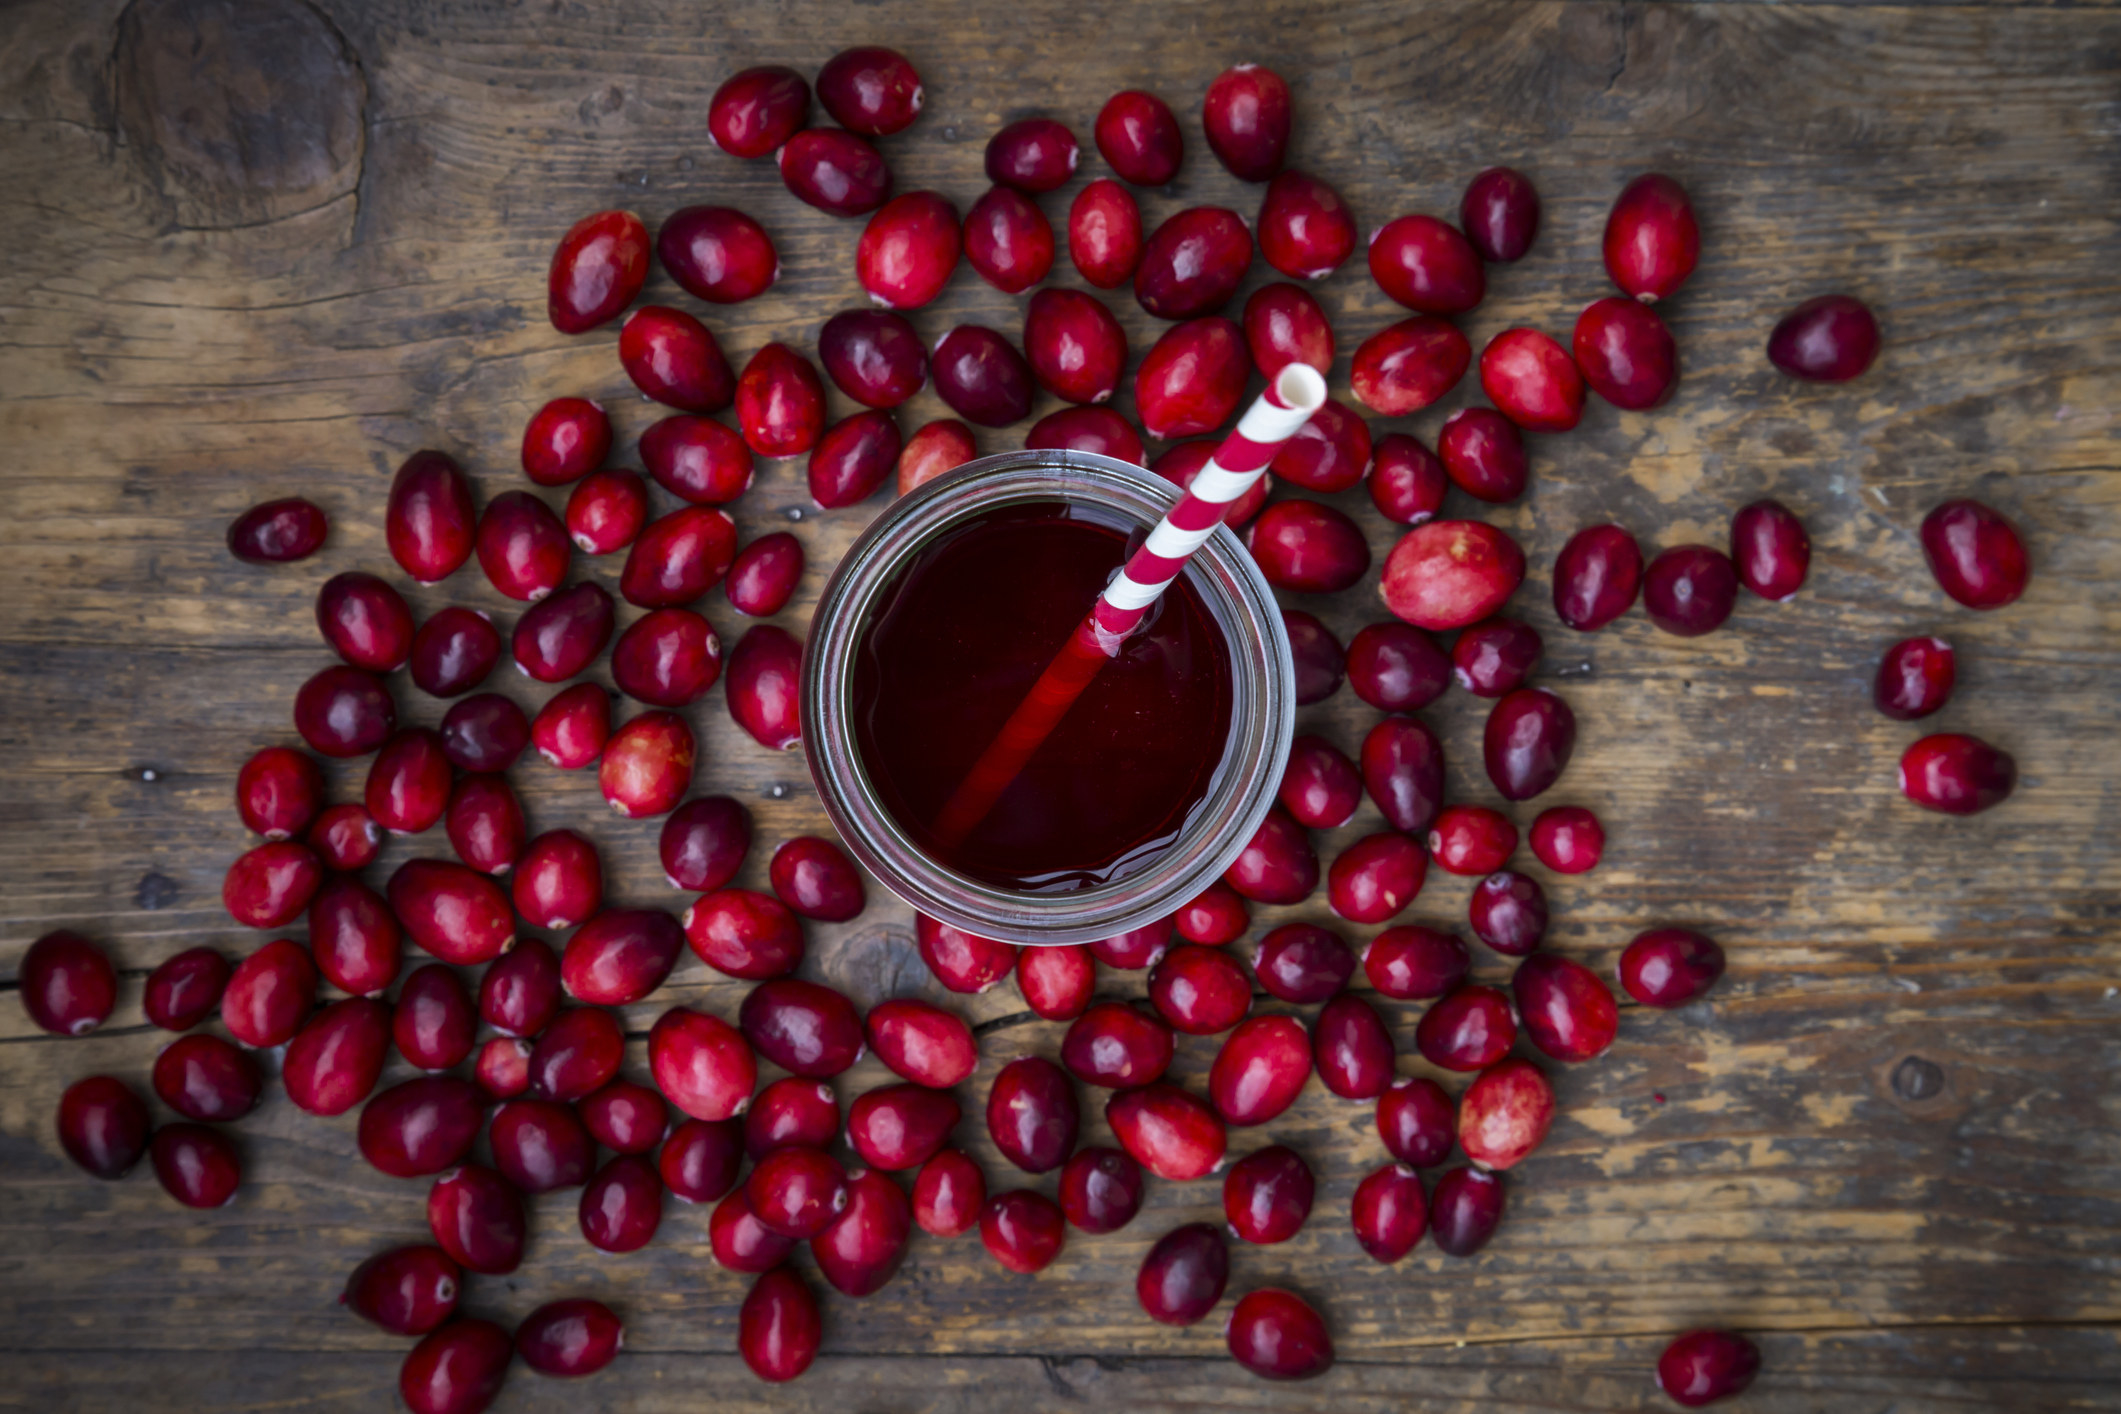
(1098, 430)
(874, 356)
(908, 250)
(1076, 348)
(1057, 982)
(1404, 367)
(1704, 1366)
(834, 171)
(1192, 379)
(757, 110)
(1352, 1048)
(1467, 1029)
(1568, 839)
(1105, 234)
(1625, 353)
(1320, 660)
(1308, 546)
(647, 767)
(1669, 967)
(1483, 453)
(1284, 325)
(1771, 550)
(1472, 840)
(935, 448)
(1566, 1011)
(1407, 480)
(1402, 768)
(1500, 214)
(597, 269)
(1305, 229)
(1417, 1121)
(1411, 962)
(1975, 554)
(1505, 1114)
(1302, 963)
(853, 458)
(949, 1194)
(1689, 590)
(1032, 155)
(1008, 240)
(1651, 240)
(717, 254)
(1532, 380)
(1179, 464)
(1183, 1275)
(1596, 577)
(673, 358)
(1331, 452)
(780, 403)
(1139, 137)
(982, 376)
(1956, 774)
(1465, 1210)
(1278, 1336)
(1375, 878)
(1267, 1195)
(1246, 115)
(571, 729)
(1914, 678)
(871, 90)
(1193, 263)
(1827, 339)
(1118, 1046)
(1277, 865)
(607, 510)
(1427, 265)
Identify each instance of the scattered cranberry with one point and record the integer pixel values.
(1465, 1210)
(871, 90)
(1193, 263)
(741, 1242)
(597, 269)
(1568, 839)
(569, 1339)
(852, 459)
(1023, 1230)
(924, 1043)
(1098, 430)
(69, 987)
(457, 648)
(780, 403)
(1956, 774)
(606, 510)
(1469, 1029)
(621, 955)
(1704, 1366)
(1771, 550)
(1402, 768)
(1277, 865)
(1404, 367)
(860, 1250)
(1169, 1132)
(681, 556)
(421, 1126)
(1504, 1114)
(1396, 667)
(1057, 982)
(277, 532)
(1483, 452)
(1319, 786)
(1277, 1336)
(1032, 1114)
(699, 1160)
(1500, 214)
(835, 171)
(755, 111)
(457, 1369)
(1267, 1195)
(563, 634)
(1450, 573)
(716, 253)
(963, 962)
(1426, 265)
(1246, 115)
(1389, 1212)
(1495, 656)
(346, 837)
(366, 621)
(937, 447)
(565, 440)
(1472, 839)
(265, 888)
(778, 1329)
(949, 1194)
(1305, 229)
(1914, 678)
(182, 992)
(626, 1117)
(430, 521)
(1302, 963)
(1105, 234)
(1117, 1045)
(1135, 949)
(405, 1291)
(1260, 1070)
(205, 1078)
(1669, 967)
(1183, 1275)
(763, 674)
(901, 1126)
(1100, 1190)
(501, 1066)
(1827, 339)
(1376, 877)
(1651, 241)
(672, 358)
(197, 1166)
(103, 1126)
(793, 1110)
(270, 994)
(1008, 240)
(1075, 347)
(1200, 990)
(1530, 735)
(1352, 1048)
(796, 1191)
(1417, 1121)
(1320, 661)
(1032, 155)
(1533, 380)
(622, 1206)
(477, 1217)
(1509, 913)
(1414, 963)
(1192, 379)
(1284, 325)
(982, 376)
(1689, 590)
(1596, 577)
(1139, 137)
(433, 1024)
(1564, 1008)
(908, 250)
(1308, 546)
(1975, 554)
(1625, 353)
(482, 733)
(1216, 917)
(702, 1064)
(699, 460)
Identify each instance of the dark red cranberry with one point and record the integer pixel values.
(1260, 1069)
(1505, 1114)
(1565, 1009)
(1472, 840)
(699, 1160)
(1331, 452)
(1530, 735)
(1139, 138)
(540, 1145)
(1376, 877)
(717, 254)
(265, 888)
(1056, 982)
(334, 1062)
(648, 766)
(625, 1117)
(982, 376)
(1135, 949)
(860, 1250)
(1596, 577)
(1098, 429)
(270, 994)
(103, 1126)
(871, 90)
(1483, 453)
(1402, 767)
(1426, 265)
(764, 575)
(1105, 234)
(1469, 1029)
(873, 356)
(901, 1126)
(1689, 590)
(1193, 263)
(1032, 155)
(455, 913)
(1117, 1045)
(607, 510)
(1914, 678)
(1181, 463)
(1956, 774)
(757, 110)
(1308, 546)
(501, 1066)
(1704, 1366)
(1975, 554)
(667, 658)
(1075, 346)
(1625, 353)
(278, 532)
(197, 1166)
(569, 1339)
(1277, 1336)
(1771, 550)
(559, 881)
(852, 459)
(421, 1126)
(1246, 115)
(1446, 574)
(1495, 656)
(678, 558)
(1023, 1230)
(408, 782)
(1284, 325)
(936, 447)
(704, 843)
(565, 440)
(69, 987)
(346, 837)
(1267, 1195)
(697, 460)
(343, 712)
(1417, 1121)
(1183, 1275)
(1500, 214)
(744, 934)
(1509, 913)
(563, 634)
(1465, 1210)
(1200, 991)
(205, 1078)
(365, 621)
(1320, 787)
(1175, 1135)
(1396, 667)
(1568, 839)
(523, 550)
(457, 1369)
(1302, 963)
(796, 1190)
(353, 937)
(909, 250)
(597, 269)
(791, 1110)
(924, 1043)
(780, 403)
(183, 991)
(740, 1241)
(621, 955)
(1320, 661)
(1827, 339)
(430, 522)
(434, 1023)
(949, 1194)
(1413, 963)
(1352, 1048)
(1277, 865)
(778, 1329)
(1192, 379)
(484, 733)
(802, 1027)
(1101, 1190)
(834, 171)
(477, 1217)
(961, 961)
(1389, 1212)
(1651, 240)
(1533, 380)
(406, 1291)
(622, 1206)
(1032, 1114)
(1008, 240)
(1305, 229)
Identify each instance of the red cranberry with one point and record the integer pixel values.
(1531, 734)
(1827, 339)
(270, 995)
(780, 403)
(1319, 786)
(1135, 949)
(1669, 967)
(1056, 982)
(1407, 480)
(1376, 877)
(205, 1078)
(1331, 452)
(180, 993)
(1412, 962)
(484, 733)
(1284, 325)
(704, 843)
(1101, 1190)
(334, 1062)
(622, 1206)
(1105, 234)
(1975, 554)
(501, 1066)
(597, 269)
(69, 987)
(1396, 667)
(1183, 1275)
(795, 1191)
(1308, 546)
(699, 1160)
(344, 712)
(1450, 573)
(1500, 214)
(569, 1339)
(1956, 774)
(674, 359)
(1651, 241)
(1625, 353)
(197, 1166)
(565, 440)
(1193, 263)
(1509, 913)
(606, 511)
(103, 1126)
(1914, 678)
(1465, 1210)
(1389, 1212)
(1267, 1195)
(924, 1043)
(802, 1027)
(1402, 767)
(1469, 1029)
(647, 768)
(860, 1250)
(1023, 1230)
(433, 1023)
(421, 1126)
(1494, 657)
(625, 1117)
(873, 356)
(558, 883)
(1032, 1114)
(1596, 577)
(1305, 229)
(871, 90)
(937, 447)
(279, 791)
(949, 1194)
(455, 913)
(763, 674)
(1704, 1366)
(1320, 661)
(621, 955)
(717, 254)
(1075, 346)
(1565, 1009)
(908, 250)
(1277, 865)
(1568, 839)
(1404, 367)
(541, 1146)
(408, 782)
(1117, 1045)
(406, 1291)
(1192, 379)
(430, 522)
(457, 1369)
(265, 888)
(901, 1126)
(667, 658)
(1426, 265)
(353, 936)
(982, 376)
(1483, 453)
(1246, 115)
(697, 460)
(1472, 840)
(778, 1329)
(346, 837)
(1689, 590)
(1173, 1134)
(961, 961)
(678, 558)
(740, 1241)
(837, 172)
(1032, 155)
(1200, 991)
(365, 621)
(1533, 380)
(477, 1217)
(764, 575)
(1277, 1336)
(1417, 1121)
(1260, 1070)
(277, 532)
(1139, 138)
(1352, 1048)
(456, 649)
(1302, 963)
(1099, 430)
(1771, 550)
(815, 879)
(1008, 240)
(792, 1110)
(755, 111)
(744, 934)
(852, 459)
(561, 635)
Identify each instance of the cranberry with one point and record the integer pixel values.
(1509, 913)
(961, 961)
(406, 1291)
(1056, 982)
(908, 250)
(421, 1126)
(434, 1023)
(1183, 1275)
(701, 1064)
(1260, 1070)
(1625, 353)
(860, 1250)
(1406, 366)
(484, 733)
(1192, 379)
(1193, 263)
(937, 447)
(1669, 967)
(565, 440)
(744, 934)
(1100, 1190)
(408, 782)
(1651, 241)
(365, 621)
(672, 358)
(346, 837)
(1827, 339)
(558, 882)
(621, 955)
(1181, 463)
(1495, 656)
(1504, 1114)
(205, 1078)
(796, 1190)
(1171, 1133)
(563, 634)
(1075, 346)
(697, 459)
(1200, 991)
(626, 1117)
(1450, 573)
(716, 253)
(277, 532)
(430, 521)
(1472, 840)
(606, 511)
(667, 658)
(763, 675)
(1008, 240)
(1389, 1212)
(477, 1217)
(1023, 1230)
(353, 936)
(792, 1110)
(1956, 774)
(764, 575)
(180, 993)
(1465, 1210)
(1975, 554)
(1426, 265)
(541, 1145)
(1216, 917)
(679, 557)
(1331, 452)
(1246, 115)
(837, 172)
(1105, 234)
(1302, 963)
(1139, 137)
(569, 1339)
(103, 1126)
(871, 90)
(647, 768)
(1500, 214)
(802, 1027)
(1689, 590)
(704, 843)
(924, 1043)
(1267, 1195)
(1568, 839)
(740, 1241)
(1320, 661)
(778, 1329)
(197, 1166)
(1395, 667)
(1032, 155)
(1308, 546)
(1413, 962)
(1117, 1045)
(982, 376)
(901, 1126)
(1530, 736)
(699, 1160)
(1099, 430)
(1319, 785)
(1376, 877)
(279, 791)
(270, 995)
(597, 269)
(1277, 1336)
(780, 404)
(622, 1206)
(1402, 767)
(69, 987)
(1305, 229)
(1417, 1121)
(1533, 380)
(949, 1194)
(344, 712)
(1277, 865)
(457, 648)
(501, 1066)
(1565, 1009)
(852, 459)
(1352, 1048)
(1483, 452)
(1704, 1366)
(1596, 577)
(1771, 550)
(265, 888)
(1914, 678)
(457, 1369)
(757, 110)
(1469, 1029)
(1135, 949)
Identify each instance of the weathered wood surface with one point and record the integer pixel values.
(267, 247)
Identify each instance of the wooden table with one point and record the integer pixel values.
(260, 248)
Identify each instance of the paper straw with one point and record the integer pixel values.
(1274, 417)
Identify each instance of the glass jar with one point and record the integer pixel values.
(1262, 715)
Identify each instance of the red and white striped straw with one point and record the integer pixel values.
(1274, 417)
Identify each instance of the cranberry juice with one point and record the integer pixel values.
(957, 640)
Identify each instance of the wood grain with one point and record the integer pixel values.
(269, 247)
